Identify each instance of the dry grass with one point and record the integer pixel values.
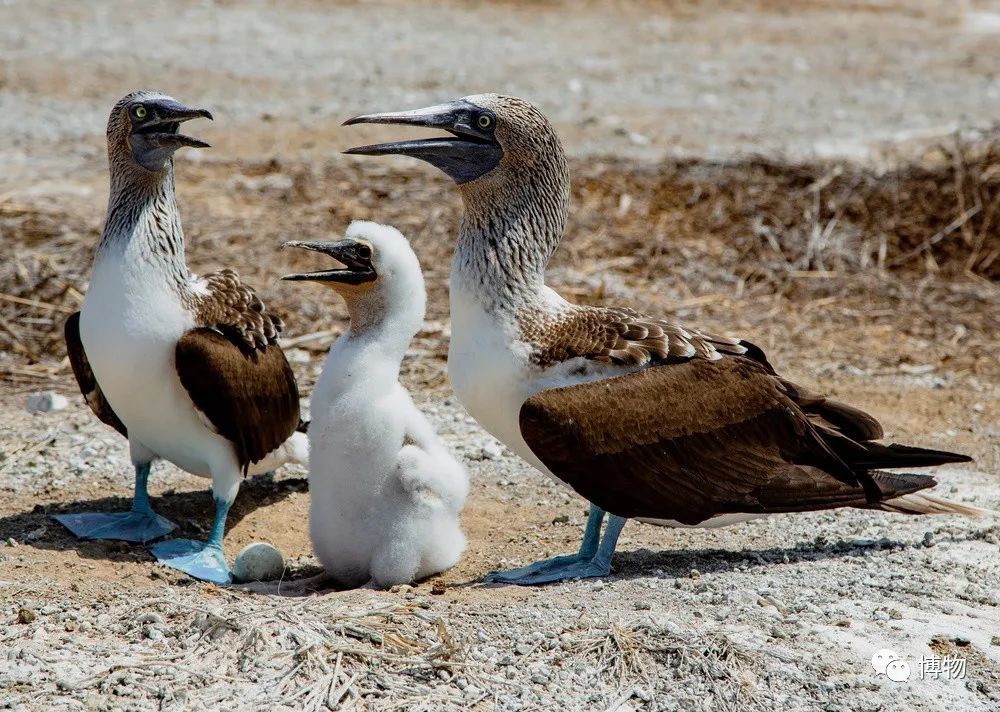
(314, 654)
(919, 242)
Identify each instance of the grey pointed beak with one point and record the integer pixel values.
(352, 254)
(167, 116)
(469, 153)
(155, 136)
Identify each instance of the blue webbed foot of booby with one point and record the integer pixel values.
(552, 570)
(591, 561)
(550, 573)
(195, 558)
(205, 561)
(141, 524)
(123, 526)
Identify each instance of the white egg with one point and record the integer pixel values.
(258, 562)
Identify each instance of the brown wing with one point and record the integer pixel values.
(620, 336)
(248, 395)
(230, 306)
(85, 376)
(693, 440)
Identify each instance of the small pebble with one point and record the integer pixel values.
(928, 539)
(26, 615)
(45, 402)
(643, 694)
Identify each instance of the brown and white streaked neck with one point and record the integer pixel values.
(515, 215)
(143, 217)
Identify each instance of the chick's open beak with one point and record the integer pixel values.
(355, 256)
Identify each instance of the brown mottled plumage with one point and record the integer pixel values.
(618, 336)
(235, 309)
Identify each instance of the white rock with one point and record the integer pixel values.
(45, 402)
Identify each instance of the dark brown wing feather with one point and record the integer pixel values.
(85, 376)
(249, 395)
(693, 440)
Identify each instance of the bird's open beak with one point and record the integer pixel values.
(154, 139)
(163, 125)
(467, 154)
(357, 267)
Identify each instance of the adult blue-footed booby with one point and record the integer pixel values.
(187, 368)
(384, 492)
(644, 417)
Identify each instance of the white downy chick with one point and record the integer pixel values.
(385, 491)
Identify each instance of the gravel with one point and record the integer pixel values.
(757, 617)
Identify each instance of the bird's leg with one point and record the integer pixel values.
(593, 559)
(203, 560)
(141, 524)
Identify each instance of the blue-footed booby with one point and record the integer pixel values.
(644, 417)
(187, 368)
(385, 493)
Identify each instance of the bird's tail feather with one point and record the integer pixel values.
(908, 456)
(919, 503)
(872, 455)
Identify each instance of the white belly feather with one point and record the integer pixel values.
(129, 325)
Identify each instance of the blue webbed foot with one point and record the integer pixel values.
(123, 526)
(591, 561)
(205, 562)
(539, 567)
(560, 568)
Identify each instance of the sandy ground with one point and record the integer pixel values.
(783, 613)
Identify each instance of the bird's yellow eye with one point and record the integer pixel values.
(484, 121)
(140, 112)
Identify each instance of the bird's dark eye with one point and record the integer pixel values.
(364, 251)
(484, 121)
(140, 112)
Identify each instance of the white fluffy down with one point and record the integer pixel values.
(385, 493)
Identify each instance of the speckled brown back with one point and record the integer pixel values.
(618, 336)
(232, 307)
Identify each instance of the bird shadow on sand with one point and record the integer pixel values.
(681, 563)
(674, 564)
(191, 511)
